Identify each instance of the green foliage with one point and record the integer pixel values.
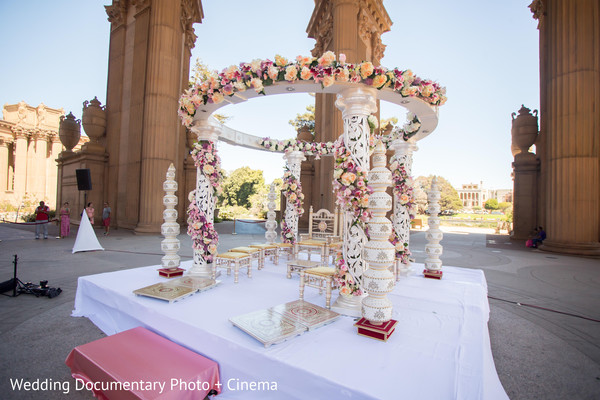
(307, 119)
(240, 185)
(505, 205)
(491, 204)
(31, 216)
(449, 199)
(476, 208)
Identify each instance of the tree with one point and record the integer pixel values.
(449, 199)
(200, 72)
(240, 185)
(491, 204)
(305, 120)
(505, 205)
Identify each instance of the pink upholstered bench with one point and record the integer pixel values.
(143, 365)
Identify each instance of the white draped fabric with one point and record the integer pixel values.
(440, 349)
(86, 239)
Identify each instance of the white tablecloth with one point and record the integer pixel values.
(440, 349)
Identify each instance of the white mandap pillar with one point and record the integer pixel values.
(271, 224)
(403, 151)
(433, 248)
(379, 252)
(170, 228)
(356, 104)
(293, 161)
(204, 195)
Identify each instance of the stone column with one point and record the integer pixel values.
(3, 165)
(570, 91)
(293, 161)
(204, 196)
(356, 104)
(21, 147)
(401, 218)
(160, 128)
(37, 175)
(52, 177)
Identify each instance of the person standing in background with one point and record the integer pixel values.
(41, 220)
(90, 212)
(106, 218)
(65, 220)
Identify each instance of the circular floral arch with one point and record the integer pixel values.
(326, 74)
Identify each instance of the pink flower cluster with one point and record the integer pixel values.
(316, 149)
(350, 184)
(348, 286)
(402, 251)
(287, 235)
(208, 161)
(204, 236)
(403, 186)
(292, 190)
(324, 70)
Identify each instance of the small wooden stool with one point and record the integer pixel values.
(319, 278)
(255, 253)
(268, 250)
(309, 245)
(286, 248)
(235, 260)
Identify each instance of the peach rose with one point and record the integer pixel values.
(343, 75)
(328, 81)
(273, 72)
(379, 81)
(327, 58)
(366, 69)
(305, 73)
(208, 169)
(348, 178)
(291, 73)
(280, 61)
(217, 97)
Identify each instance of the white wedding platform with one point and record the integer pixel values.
(439, 350)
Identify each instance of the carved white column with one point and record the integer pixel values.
(403, 151)
(205, 199)
(170, 228)
(271, 224)
(356, 104)
(379, 253)
(433, 264)
(293, 161)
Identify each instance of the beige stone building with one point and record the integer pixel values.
(473, 195)
(29, 147)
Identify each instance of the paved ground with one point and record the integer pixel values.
(539, 353)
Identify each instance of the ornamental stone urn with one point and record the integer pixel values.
(304, 134)
(69, 132)
(524, 132)
(93, 120)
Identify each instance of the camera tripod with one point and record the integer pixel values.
(18, 287)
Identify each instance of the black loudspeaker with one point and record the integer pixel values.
(84, 179)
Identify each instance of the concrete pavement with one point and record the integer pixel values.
(539, 353)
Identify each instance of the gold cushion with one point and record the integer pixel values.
(249, 250)
(321, 271)
(335, 244)
(312, 242)
(232, 255)
(264, 246)
(283, 244)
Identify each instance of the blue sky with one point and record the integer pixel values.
(485, 52)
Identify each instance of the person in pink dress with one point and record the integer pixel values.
(90, 212)
(65, 220)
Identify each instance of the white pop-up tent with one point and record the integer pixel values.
(86, 237)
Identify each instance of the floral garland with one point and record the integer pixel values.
(292, 190)
(348, 286)
(324, 70)
(350, 184)
(287, 234)
(204, 236)
(403, 191)
(410, 129)
(316, 149)
(208, 161)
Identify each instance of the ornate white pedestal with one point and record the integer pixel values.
(293, 161)
(271, 224)
(170, 229)
(433, 264)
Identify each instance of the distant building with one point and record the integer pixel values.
(473, 194)
(29, 147)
